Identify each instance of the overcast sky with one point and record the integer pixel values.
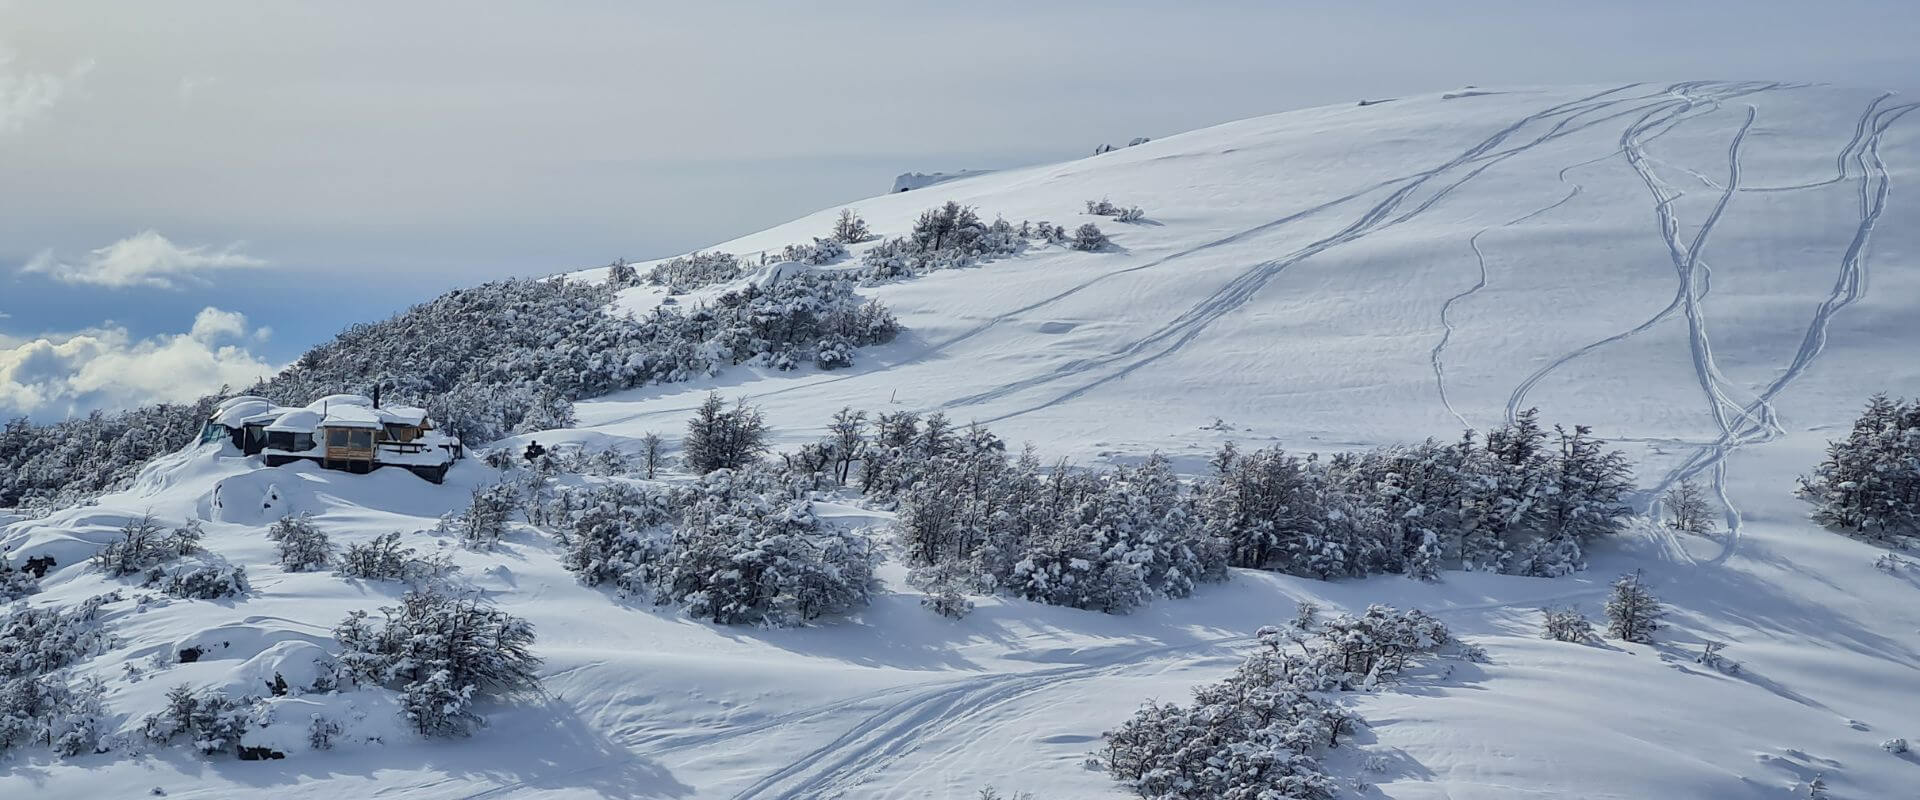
(160, 159)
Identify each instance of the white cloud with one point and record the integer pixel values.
(25, 97)
(143, 259)
(59, 375)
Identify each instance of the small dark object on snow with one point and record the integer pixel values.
(278, 685)
(259, 753)
(189, 655)
(534, 451)
(38, 565)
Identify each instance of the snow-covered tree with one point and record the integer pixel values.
(849, 228)
(742, 557)
(302, 545)
(1687, 510)
(441, 650)
(383, 558)
(1567, 625)
(653, 454)
(486, 519)
(1633, 613)
(1088, 237)
(1870, 481)
(722, 438)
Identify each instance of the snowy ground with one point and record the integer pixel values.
(1715, 276)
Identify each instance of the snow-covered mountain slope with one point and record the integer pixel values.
(1715, 276)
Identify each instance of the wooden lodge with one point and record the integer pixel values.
(342, 431)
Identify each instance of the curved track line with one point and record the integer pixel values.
(1480, 258)
(1183, 329)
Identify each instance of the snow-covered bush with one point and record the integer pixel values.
(209, 720)
(743, 554)
(1249, 737)
(695, 270)
(302, 545)
(1524, 502)
(1687, 510)
(207, 578)
(486, 519)
(142, 544)
(849, 228)
(723, 438)
(382, 558)
(36, 641)
(441, 651)
(1895, 746)
(1088, 238)
(618, 535)
(1106, 542)
(1105, 208)
(622, 275)
(1258, 733)
(653, 454)
(1633, 613)
(321, 732)
(945, 587)
(821, 251)
(15, 583)
(948, 236)
(69, 718)
(1870, 482)
(1567, 625)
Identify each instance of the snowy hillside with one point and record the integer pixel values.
(1715, 276)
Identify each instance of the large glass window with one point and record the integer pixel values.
(362, 440)
(336, 437)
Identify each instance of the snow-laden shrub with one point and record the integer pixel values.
(622, 275)
(69, 718)
(442, 652)
(383, 559)
(1106, 542)
(945, 589)
(1258, 733)
(1687, 509)
(1524, 502)
(1105, 208)
(1089, 238)
(616, 534)
(745, 555)
(15, 583)
(142, 543)
(719, 437)
(948, 236)
(1567, 625)
(695, 270)
(207, 578)
(209, 720)
(849, 228)
(1870, 482)
(821, 251)
(1633, 613)
(302, 545)
(36, 641)
(486, 519)
(1251, 736)
(321, 732)
(1895, 746)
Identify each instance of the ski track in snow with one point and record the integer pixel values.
(1407, 182)
(1849, 286)
(1480, 259)
(900, 728)
(1183, 329)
